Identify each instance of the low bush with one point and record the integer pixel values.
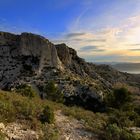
(113, 132)
(53, 93)
(118, 99)
(120, 118)
(26, 90)
(50, 132)
(47, 115)
(24, 108)
(137, 109)
(7, 111)
(2, 136)
(92, 121)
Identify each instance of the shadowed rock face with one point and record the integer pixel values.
(8, 39)
(26, 50)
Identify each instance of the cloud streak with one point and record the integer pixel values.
(133, 44)
(122, 39)
(72, 35)
(134, 50)
(91, 48)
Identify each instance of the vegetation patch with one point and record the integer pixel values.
(26, 90)
(53, 93)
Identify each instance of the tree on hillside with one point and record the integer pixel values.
(118, 98)
(53, 93)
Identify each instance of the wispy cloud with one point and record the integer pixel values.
(112, 58)
(91, 48)
(119, 43)
(114, 39)
(134, 50)
(134, 44)
(115, 31)
(72, 35)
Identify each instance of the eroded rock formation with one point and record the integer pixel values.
(32, 59)
(25, 51)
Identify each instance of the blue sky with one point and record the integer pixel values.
(100, 30)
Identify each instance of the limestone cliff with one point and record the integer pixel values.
(25, 51)
(32, 59)
(40, 47)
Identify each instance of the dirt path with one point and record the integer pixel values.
(71, 129)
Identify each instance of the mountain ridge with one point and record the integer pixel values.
(34, 60)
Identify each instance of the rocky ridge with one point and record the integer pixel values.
(32, 59)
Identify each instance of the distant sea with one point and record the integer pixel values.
(132, 68)
(131, 71)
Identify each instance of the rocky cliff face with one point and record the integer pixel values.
(22, 52)
(37, 46)
(70, 59)
(32, 59)
(9, 65)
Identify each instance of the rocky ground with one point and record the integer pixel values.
(16, 131)
(69, 129)
(72, 129)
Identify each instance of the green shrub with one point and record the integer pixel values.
(119, 98)
(2, 136)
(26, 90)
(113, 132)
(47, 115)
(50, 133)
(137, 109)
(25, 109)
(14, 106)
(127, 135)
(50, 88)
(7, 111)
(53, 93)
(137, 122)
(59, 97)
(93, 121)
(120, 118)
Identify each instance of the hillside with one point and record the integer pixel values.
(50, 93)
(32, 59)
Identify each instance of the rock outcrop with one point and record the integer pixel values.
(22, 52)
(70, 59)
(32, 59)
(41, 48)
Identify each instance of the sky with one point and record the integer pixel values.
(99, 30)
